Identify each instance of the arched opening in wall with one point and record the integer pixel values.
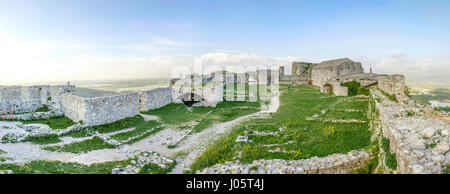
(190, 98)
(327, 88)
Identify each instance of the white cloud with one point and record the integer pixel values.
(223, 59)
(57, 60)
(434, 70)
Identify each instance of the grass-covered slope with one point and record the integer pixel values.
(180, 115)
(296, 137)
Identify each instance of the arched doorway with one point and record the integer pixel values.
(327, 88)
(190, 98)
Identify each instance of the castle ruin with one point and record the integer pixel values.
(196, 90)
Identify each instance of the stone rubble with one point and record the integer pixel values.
(332, 164)
(141, 160)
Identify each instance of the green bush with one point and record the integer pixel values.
(354, 88)
(95, 143)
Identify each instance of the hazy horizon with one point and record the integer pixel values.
(58, 41)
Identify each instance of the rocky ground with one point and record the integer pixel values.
(333, 164)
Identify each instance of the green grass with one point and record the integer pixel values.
(439, 94)
(95, 143)
(177, 113)
(445, 109)
(355, 104)
(48, 139)
(300, 138)
(54, 123)
(111, 127)
(354, 88)
(56, 167)
(43, 109)
(390, 158)
(180, 114)
(2, 152)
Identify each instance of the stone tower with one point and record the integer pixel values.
(281, 71)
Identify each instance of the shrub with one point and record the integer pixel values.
(354, 88)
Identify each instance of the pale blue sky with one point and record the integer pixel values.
(57, 40)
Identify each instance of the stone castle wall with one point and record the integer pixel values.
(334, 87)
(30, 98)
(394, 85)
(156, 98)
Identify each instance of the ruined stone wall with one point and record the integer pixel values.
(394, 85)
(99, 110)
(21, 99)
(298, 68)
(336, 88)
(30, 98)
(73, 107)
(350, 68)
(103, 110)
(420, 142)
(320, 76)
(332, 164)
(156, 98)
(211, 95)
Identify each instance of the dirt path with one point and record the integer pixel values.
(196, 143)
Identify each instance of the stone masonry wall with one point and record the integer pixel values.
(156, 98)
(100, 110)
(103, 110)
(73, 107)
(421, 143)
(30, 98)
(394, 85)
(332, 164)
